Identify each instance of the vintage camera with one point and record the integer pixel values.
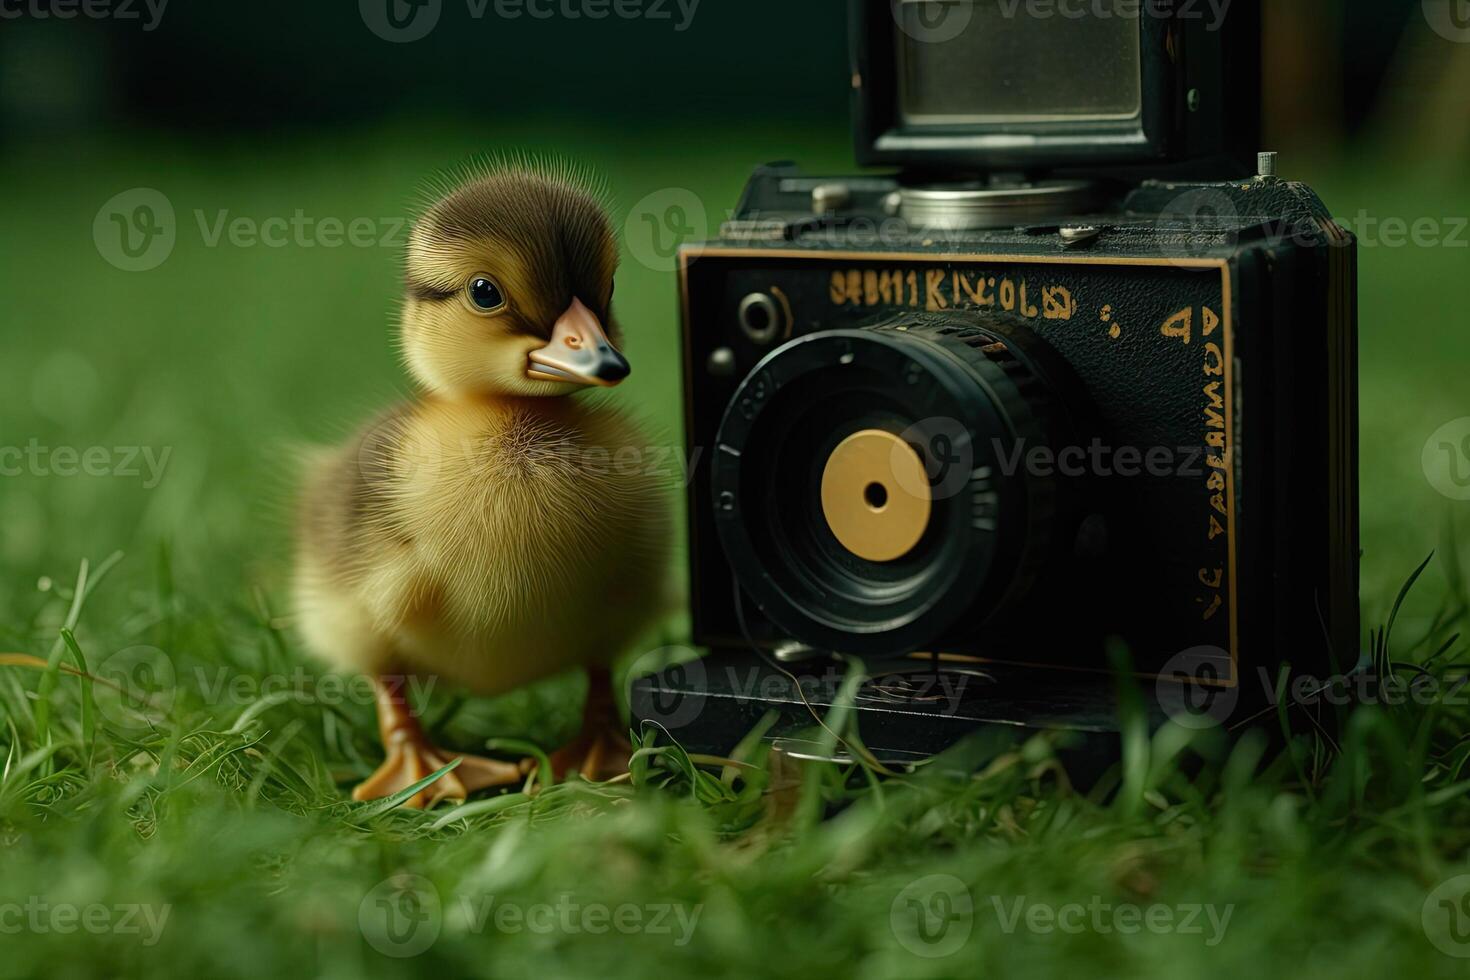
(1074, 388)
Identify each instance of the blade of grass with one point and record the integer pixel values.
(89, 721)
(86, 583)
(544, 773)
(480, 808)
(376, 808)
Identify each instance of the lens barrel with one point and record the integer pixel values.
(870, 485)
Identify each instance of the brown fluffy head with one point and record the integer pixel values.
(543, 238)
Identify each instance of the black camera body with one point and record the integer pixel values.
(1001, 432)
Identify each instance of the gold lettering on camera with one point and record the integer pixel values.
(942, 288)
(1181, 327)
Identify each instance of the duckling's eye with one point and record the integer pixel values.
(484, 295)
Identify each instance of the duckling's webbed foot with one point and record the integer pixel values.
(411, 757)
(601, 750)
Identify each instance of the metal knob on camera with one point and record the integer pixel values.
(972, 205)
(762, 319)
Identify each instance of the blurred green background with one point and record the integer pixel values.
(229, 356)
(195, 383)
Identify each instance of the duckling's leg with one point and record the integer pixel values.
(601, 750)
(411, 757)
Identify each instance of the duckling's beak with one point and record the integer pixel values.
(579, 352)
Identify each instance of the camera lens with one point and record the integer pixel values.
(871, 495)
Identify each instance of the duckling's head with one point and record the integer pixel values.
(509, 288)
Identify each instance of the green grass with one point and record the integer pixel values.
(224, 799)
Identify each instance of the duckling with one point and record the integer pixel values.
(489, 532)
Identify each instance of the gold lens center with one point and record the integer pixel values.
(875, 495)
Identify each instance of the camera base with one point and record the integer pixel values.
(908, 710)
